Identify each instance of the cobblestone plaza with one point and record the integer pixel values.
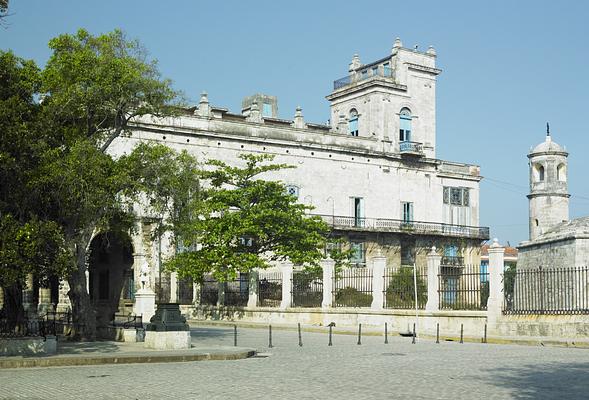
(346, 370)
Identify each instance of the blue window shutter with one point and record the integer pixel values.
(353, 123)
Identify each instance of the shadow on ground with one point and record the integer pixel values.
(65, 347)
(206, 333)
(544, 381)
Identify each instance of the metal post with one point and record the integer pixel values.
(413, 340)
(359, 334)
(330, 344)
(485, 337)
(461, 333)
(235, 335)
(300, 337)
(270, 336)
(438, 332)
(386, 336)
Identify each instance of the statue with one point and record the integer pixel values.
(144, 275)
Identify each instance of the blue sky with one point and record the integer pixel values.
(508, 68)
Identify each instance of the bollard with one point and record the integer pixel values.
(386, 336)
(461, 333)
(235, 335)
(438, 332)
(359, 334)
(300, 337)
(330, 327)
(485, 335)
(270, 336)
(413, 340)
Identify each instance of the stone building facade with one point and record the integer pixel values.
(372, 173)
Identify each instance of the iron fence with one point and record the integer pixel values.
(127, 321)
(352, 287)
(463, 287)
(209, 291)
(27, 328)
(269, 289)
(61, 321)
(185, 291)
(237, 291)
(307, 289)
(546, 291)
(399, 287)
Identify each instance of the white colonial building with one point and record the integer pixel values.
(372, 173)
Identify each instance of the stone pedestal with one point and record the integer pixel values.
(328, 266)
(379, 264)
(433, 283)
(144, 304)
(167, 340)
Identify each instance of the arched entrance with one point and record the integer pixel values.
(111, 284)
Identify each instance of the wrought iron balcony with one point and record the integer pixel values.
(408, 147)
(358, 76)
(401, 226)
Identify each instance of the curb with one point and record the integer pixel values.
(579, 343)
(123, 359)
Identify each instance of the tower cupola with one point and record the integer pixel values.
(549, 197)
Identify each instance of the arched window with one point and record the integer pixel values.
(538, 172)
(561, 173)
(405, 125)
(353, 122)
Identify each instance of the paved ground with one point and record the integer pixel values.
(372, 370)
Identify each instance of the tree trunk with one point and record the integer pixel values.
(13, 308)
(83, 313)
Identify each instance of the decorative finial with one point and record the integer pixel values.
(547, 129)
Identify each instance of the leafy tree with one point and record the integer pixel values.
(246, 222)
(30, 244)
(92, 88)
(401, 290)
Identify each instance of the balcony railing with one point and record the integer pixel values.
(408, 147)
(401, 226)
(358, 76)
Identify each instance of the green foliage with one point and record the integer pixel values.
(34, 247)
(401, 290)
(246, 222)
(351, 297)
(99, 84)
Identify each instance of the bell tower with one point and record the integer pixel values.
(549, 197)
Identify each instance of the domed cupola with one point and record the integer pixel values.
(549, 198)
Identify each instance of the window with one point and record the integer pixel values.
(292, 190)
(540, 173)
(561, 173)
(456, 196)
(407, 212)
(358, 211)
(358, 253)
(451, 250)
(405, 125)
(365, 74)
(267, 110)
(386, 69)
(353, 122)
(374, 71)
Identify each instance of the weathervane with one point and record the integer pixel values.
(547, 129)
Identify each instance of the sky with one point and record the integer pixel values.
(508, 68)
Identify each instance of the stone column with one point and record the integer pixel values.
(196, 288)
(286, 269)
(44, 300)
(174, 287)
(252, 301)
(328, 266)
(221, 294)
(496, 294)
(379, 263)
(433, 282)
